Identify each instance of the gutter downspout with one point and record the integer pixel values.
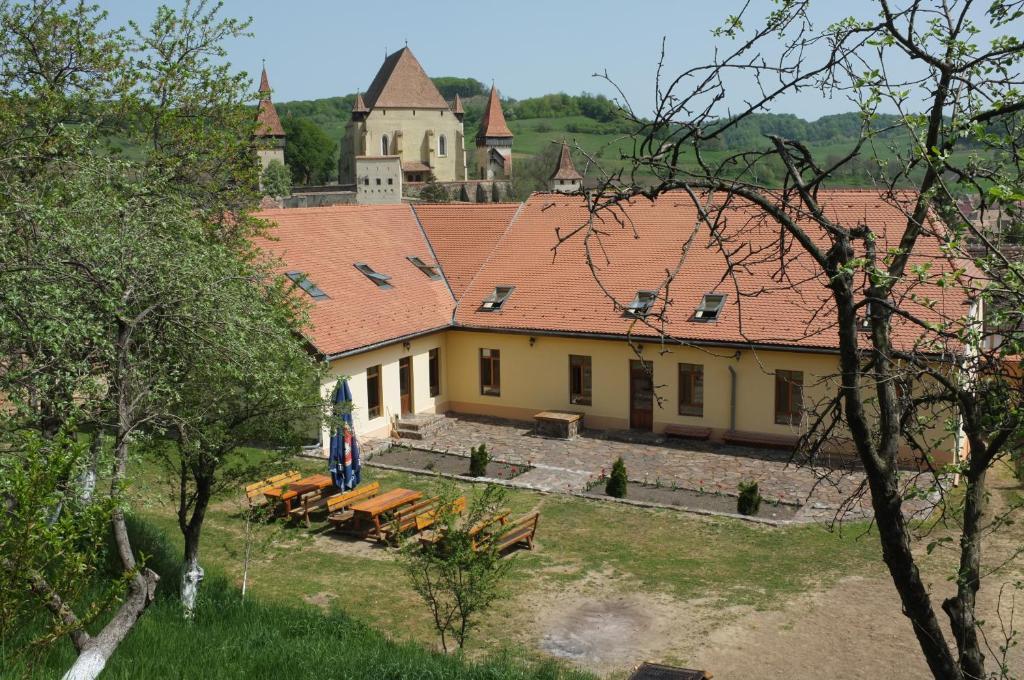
(732, 399)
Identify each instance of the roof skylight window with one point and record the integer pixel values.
(303, 282)
(710, 307)
(641, 304)
(382, 280)
(495, 300)
(430, 270)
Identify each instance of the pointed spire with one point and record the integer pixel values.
(268, 124)
(493, 122)
(566, 169)
(360, 105)
(457, 106)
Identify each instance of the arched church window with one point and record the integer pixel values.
(384, 145)
(442, 146)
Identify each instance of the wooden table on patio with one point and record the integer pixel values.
(366, 514)
(289, 492)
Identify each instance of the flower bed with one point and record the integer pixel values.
(695, 500)
(447, 463)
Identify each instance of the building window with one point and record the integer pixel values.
(641, 304)
(789, 397)
(494, 301)
(579, 380)
(303, 282)
(384, 147)
(430, 270)
(691, 390)
(710, 306)
(366, 181)
(490, 372)
(378, 181)
(442, 146)
(434, 370)
(382, 280)
(391, 180)
(373, 392)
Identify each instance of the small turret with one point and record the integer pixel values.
(457, 108)
(494, 141)
(566, 178)
(359, 109)
(269, 132)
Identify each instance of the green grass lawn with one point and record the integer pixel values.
(313, 596)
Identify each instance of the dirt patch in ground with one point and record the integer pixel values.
(697, 500)
(448, 463)
(322, 599)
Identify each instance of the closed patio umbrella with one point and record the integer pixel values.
(343, 462)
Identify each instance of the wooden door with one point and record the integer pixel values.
(405, 384)
(641, 396)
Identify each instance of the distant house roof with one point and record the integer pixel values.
(415, 166)
(565, 169)
(268, 124)
(493, 122)
(402, 83)
(327, 243)
(463, 235)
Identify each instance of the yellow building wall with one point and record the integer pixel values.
(536, 378)
(354, 367)
(421, 129)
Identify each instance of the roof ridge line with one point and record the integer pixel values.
(508, 227)
(433, 253)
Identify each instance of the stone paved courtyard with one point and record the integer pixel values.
(568, 465)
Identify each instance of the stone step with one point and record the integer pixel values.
(417, 426)
(411, 434)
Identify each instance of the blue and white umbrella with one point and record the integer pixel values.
(343, 463)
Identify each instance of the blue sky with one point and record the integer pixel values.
(322, 48)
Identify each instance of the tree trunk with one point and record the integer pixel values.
(87, 481)
(191, 572)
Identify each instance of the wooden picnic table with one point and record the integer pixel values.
(366, 515)
(289, 492)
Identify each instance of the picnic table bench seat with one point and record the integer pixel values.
(337, 506)
(481, 532)
(769, 441)
(688, 431)
(254, 491)
(419, 516)
(520, 531)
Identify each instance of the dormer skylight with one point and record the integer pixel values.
(641, 304)
(382, 280)
(496, 299)
(430, 270)
(710, 306)
(303, 282)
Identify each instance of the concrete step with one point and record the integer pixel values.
(419, 426)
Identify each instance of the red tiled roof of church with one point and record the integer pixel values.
(402, 83)
(565, 169)
(493, 122)
(268, 124)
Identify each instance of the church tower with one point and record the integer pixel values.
(269, 133)
(566, 178)
(494, 142)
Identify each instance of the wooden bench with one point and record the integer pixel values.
(255, 490)
(337, 506)
(419, 516)
(520, 531)
(688, 432)
(559, 424)
(481, 532)
(769, 441)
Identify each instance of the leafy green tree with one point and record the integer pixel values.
(308, 152)
(464, 87)
(434, 192)
(276, 181)
(456, 581)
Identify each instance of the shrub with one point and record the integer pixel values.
(478, 460)
(276, 180)
(749, 501)
(616, 486)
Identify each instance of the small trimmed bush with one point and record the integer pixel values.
(749, 501)
(478, 460)
(616, 486)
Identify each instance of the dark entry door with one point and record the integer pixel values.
(405, 384)
(641, 396)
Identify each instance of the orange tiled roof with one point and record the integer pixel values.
(463, 235)
(565, 169)
(325, 243)
(268, 124)
(493, 122)
(558, 293)
(402, 83)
